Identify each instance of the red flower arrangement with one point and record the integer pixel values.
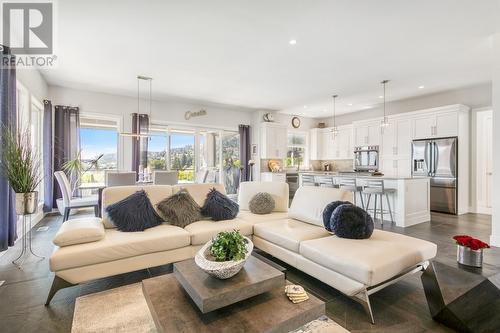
(472, 243)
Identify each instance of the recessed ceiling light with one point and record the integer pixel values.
(381, 96)
(292, 42)
(305, 106)
(349, 104)
(421, 87)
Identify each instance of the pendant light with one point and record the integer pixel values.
(335, 130)
(139, 135)
(385, 122)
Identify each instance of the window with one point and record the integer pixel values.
(157, 151)
(296, 155)
(181, 154)
(99, 148)
(36, 124)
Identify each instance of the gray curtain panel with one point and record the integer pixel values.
(140, 125)
(8, 217)
(66, 140)
(245, 154)
(48, 166)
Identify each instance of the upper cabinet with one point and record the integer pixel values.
(273, 143)
(326, 146)
(367, 133)
(435, 124)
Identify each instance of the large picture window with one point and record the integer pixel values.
(98, 141)
(182, 155)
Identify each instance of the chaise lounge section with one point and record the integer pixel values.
(357, 268)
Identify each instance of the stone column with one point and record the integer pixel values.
(495, 233)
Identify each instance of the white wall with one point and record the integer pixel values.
(495, 233)
(477, 96)
(34, 82)
(168, 112)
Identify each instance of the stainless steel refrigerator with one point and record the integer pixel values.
(437, 159)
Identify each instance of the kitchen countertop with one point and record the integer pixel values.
(354, 175)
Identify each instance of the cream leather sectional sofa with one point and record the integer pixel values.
(294, 235)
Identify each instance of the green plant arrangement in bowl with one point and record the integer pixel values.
(21, 166)
(225, 255)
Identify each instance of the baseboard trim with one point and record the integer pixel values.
(495, 240)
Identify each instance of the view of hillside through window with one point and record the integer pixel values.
(95, 142)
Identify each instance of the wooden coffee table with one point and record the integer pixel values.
(254, 300)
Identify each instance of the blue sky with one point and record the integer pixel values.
(97, 141)
(100, 141)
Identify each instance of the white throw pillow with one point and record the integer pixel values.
(79, 231)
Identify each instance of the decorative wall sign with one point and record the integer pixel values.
(191, 114)
(296, 122)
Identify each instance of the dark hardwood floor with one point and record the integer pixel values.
(398, 308)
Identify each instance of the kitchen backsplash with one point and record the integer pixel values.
(335, 165)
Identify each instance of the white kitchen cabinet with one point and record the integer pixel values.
(273, 177)
(435, 124)
(446, 124)
(273, 141)
(367, 133)
(324, 146)
(315, 144)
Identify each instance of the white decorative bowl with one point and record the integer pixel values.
(220, 269)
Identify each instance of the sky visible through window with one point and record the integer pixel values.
(95, 141)
(158, 143)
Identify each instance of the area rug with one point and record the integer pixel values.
(124, 310)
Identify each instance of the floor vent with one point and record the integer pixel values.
(42, 229)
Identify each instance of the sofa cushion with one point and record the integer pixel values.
(110, 195)
(369, 261)
(203, 231)
(309, 202)
(199, 191)
(252, 218)
(119, 245)
(134, 213)
(262, 203)
(79, 231)
(179, 209)
(219, 207)
(278, 191)
(288, 233)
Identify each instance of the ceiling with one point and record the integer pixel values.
(238, 52)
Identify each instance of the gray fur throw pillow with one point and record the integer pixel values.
(219, 207)
(134, 213)
(179, 209)
(262, 203)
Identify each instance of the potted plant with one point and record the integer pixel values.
(21, 166)
(225, 255)
(75, 168)
(470, 250)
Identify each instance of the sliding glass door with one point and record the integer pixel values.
(197, 154)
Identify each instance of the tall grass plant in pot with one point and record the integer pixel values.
(21, 166)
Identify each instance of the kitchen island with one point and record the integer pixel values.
(410, 202)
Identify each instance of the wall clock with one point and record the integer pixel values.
(295, 122)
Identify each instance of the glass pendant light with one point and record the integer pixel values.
(139, 135)
(385, 122)
(335, 130)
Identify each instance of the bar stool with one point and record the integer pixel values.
(325, 181)
(349, 184)
(307, 180)
(376, 187)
